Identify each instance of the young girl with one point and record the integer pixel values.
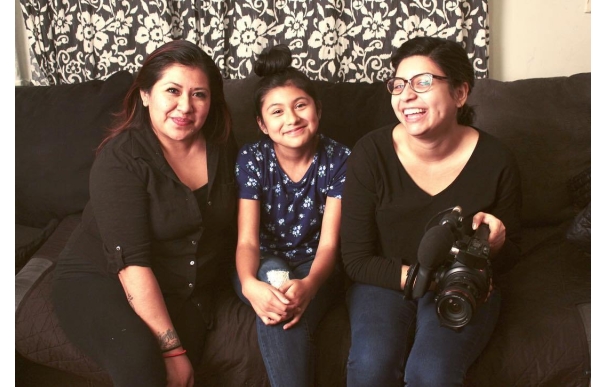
(290, 186)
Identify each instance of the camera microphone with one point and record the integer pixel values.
(438, 240)
(435, 246)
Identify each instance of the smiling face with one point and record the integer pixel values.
(423, 114)
(178, 103)
(289, 117)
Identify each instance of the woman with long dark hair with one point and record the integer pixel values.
(134, 286)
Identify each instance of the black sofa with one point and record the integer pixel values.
(543, 334)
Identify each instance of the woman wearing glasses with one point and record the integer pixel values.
(400, 179)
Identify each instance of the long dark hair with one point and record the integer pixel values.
(134, 115)
(274, 67)
(450, 57)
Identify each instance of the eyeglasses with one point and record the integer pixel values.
(420, 83)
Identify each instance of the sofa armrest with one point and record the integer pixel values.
(28, 277)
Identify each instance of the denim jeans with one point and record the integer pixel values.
(396, 341)
(288, 354)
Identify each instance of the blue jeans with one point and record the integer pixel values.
(396, 341)
(288, 354)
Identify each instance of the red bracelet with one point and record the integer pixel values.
(174, 354)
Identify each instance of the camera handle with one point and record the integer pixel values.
(473, 252)
(423, 280)
(411, 274)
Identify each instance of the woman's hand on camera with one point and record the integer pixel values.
(497, 235)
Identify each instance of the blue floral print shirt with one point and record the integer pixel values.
(291, 212)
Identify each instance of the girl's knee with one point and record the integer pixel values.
(274, 271)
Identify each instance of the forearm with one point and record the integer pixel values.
(144, 295)
(323, 266)
(360, 235)
(326, 253)
(247, 262)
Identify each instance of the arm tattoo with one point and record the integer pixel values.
(129, 297)
(168, 340)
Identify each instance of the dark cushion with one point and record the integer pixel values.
(38, 336)
(546, 122)
(579, 231)
(57, 129)
(29, 239)
(350, 110)
(239, 97)
(540, 339)
(579, 188)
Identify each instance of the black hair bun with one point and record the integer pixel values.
(273, 60)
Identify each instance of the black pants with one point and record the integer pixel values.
(95, 315)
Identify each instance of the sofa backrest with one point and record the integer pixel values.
(57, 129)
(546, 122)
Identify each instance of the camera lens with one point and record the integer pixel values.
(455, 307)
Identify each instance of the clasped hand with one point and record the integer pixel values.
(276, 305)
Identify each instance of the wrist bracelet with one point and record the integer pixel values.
(174, 354)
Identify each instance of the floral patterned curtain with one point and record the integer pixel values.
(73, 41)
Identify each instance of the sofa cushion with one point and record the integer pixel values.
(579, 231)
(546, 122)
(579, 188)
(57, 129)
(38, 336)
(350, 110)
(540, 338)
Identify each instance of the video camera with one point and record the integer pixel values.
(459, 265)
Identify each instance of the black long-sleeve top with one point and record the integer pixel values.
(141, 214)
(385, 214)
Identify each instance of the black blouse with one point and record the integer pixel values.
(140, 213)
(385, 214)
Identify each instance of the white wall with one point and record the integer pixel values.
(22, 62)
(538, 38)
